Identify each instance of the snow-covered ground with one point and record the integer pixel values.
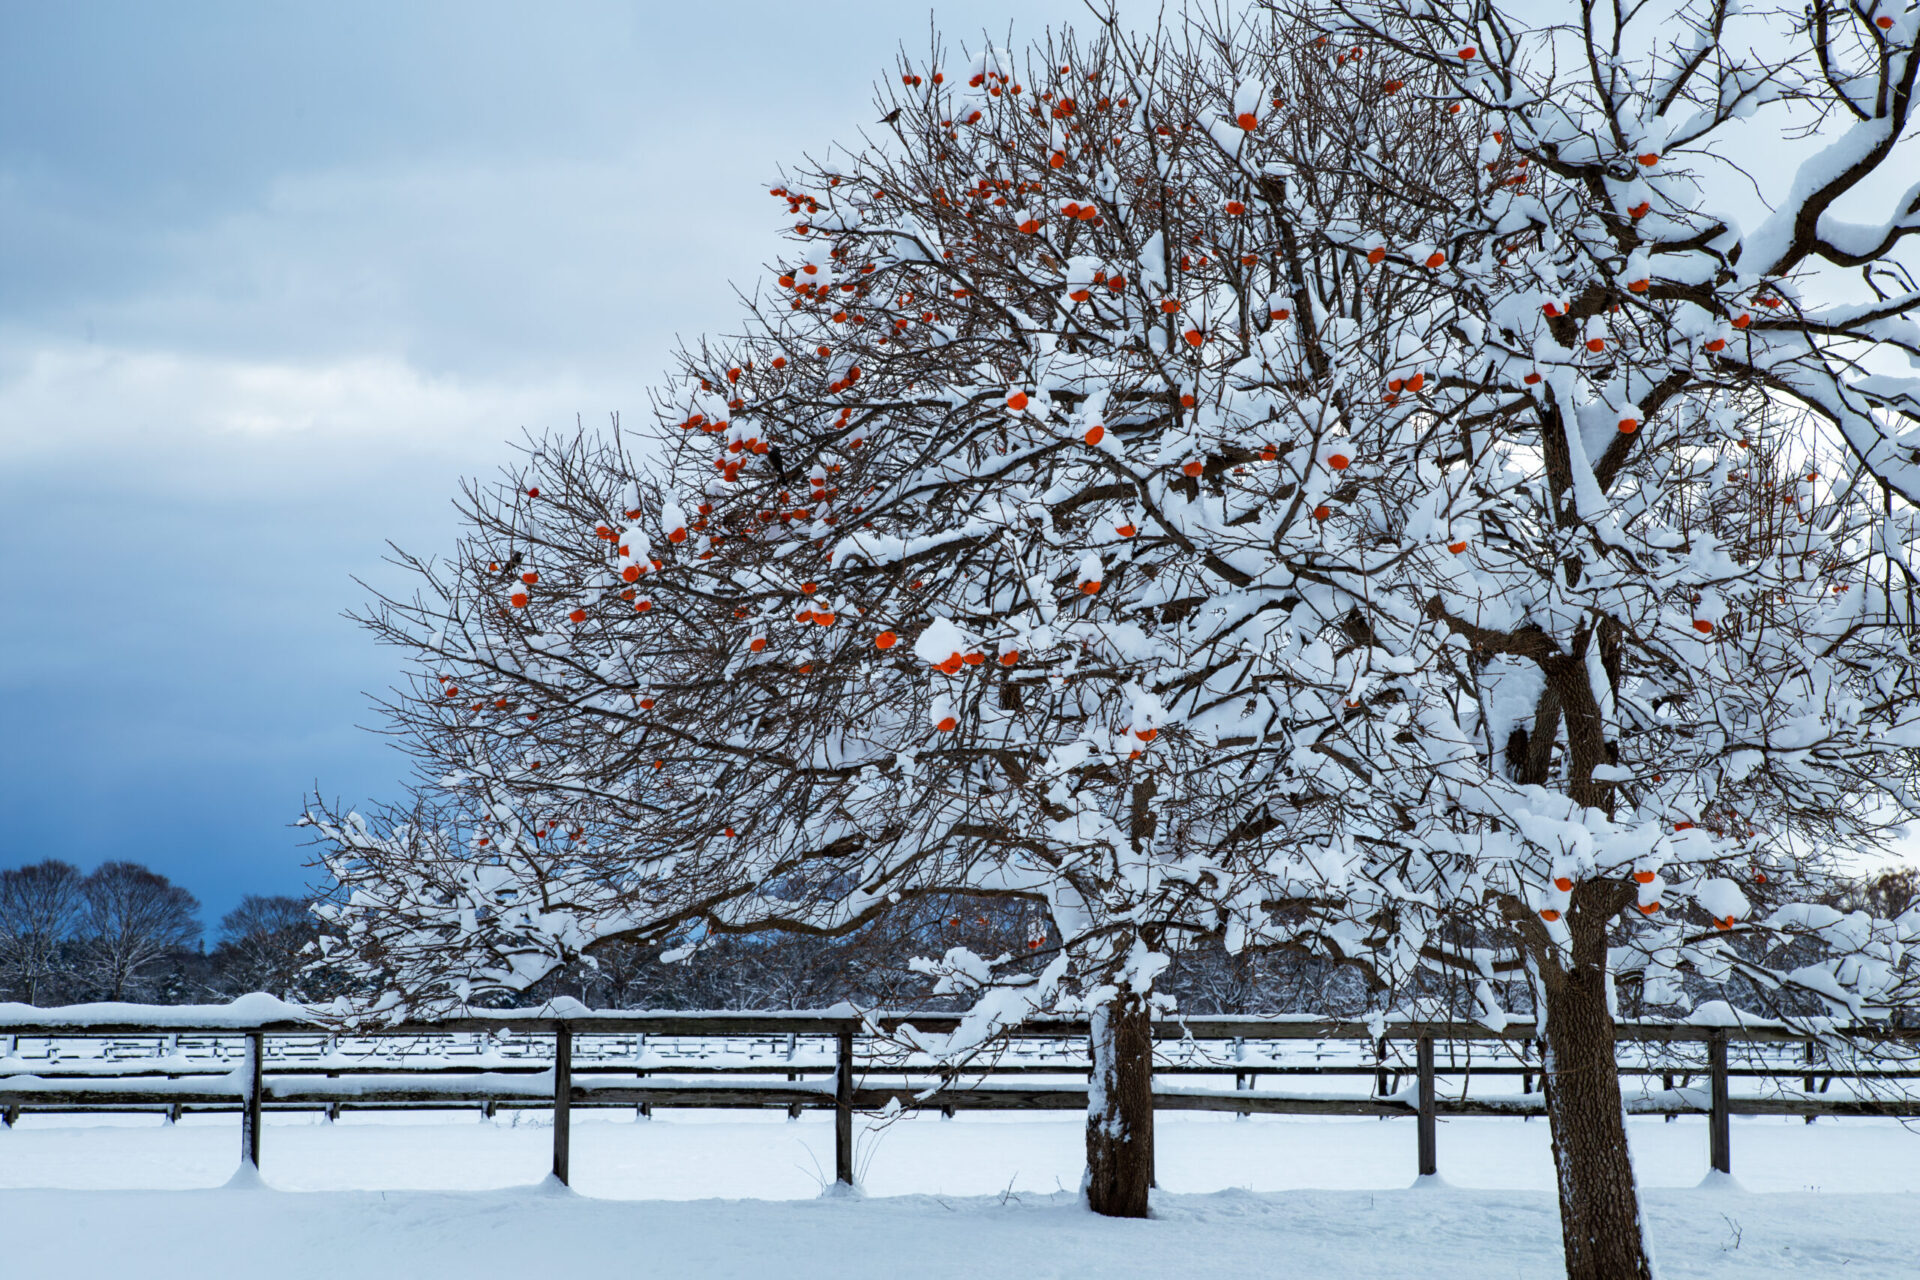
(732, 1194)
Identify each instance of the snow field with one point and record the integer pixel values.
(733, 1194)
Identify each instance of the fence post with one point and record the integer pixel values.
(645, 1110)
(328, 1048)
(1719, 1132)
(562, 1100)
(1808, 1081)
(170, 1047)
(482, 1045)
(1429, 1145)
(843, 1111)
(250, 1113)
(793, 1042)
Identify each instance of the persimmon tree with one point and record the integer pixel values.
(963, 569)
(1048, 361)
(1644, 535)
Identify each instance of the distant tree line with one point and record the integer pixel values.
(126, 932)
(875, 967)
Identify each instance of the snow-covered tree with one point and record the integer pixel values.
(1320, 481)
(132, 918)
(1636, 559)
(40, 909)
(265, 944)
(962, 570)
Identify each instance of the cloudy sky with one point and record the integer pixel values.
(272, 279)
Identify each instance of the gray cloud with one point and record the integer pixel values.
(276, 277)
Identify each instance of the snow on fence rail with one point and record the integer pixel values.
(259, 1053)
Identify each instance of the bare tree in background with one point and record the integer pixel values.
(40, 906)
(262, 941)
(134, 918)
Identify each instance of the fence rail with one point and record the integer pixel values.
(216, 1059)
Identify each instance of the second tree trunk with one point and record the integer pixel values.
(1599, 1204)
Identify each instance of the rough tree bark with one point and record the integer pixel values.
(1120, 1110)
(1599, 1202)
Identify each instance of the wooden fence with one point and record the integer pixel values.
(530, 1058)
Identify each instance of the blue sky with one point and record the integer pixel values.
(272, 279)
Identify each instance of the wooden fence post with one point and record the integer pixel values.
(1719, 1132)
(1526, 1076)
(1429, 1144)
(843, 1111)
(250, 1113)
(171, 1047)
(562, 1101)
(9, 1046)
(645, 1110)
(1808, 1080)
(793, 1044)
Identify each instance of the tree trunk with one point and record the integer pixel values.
(1599, 1204)
(1120, 1110)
